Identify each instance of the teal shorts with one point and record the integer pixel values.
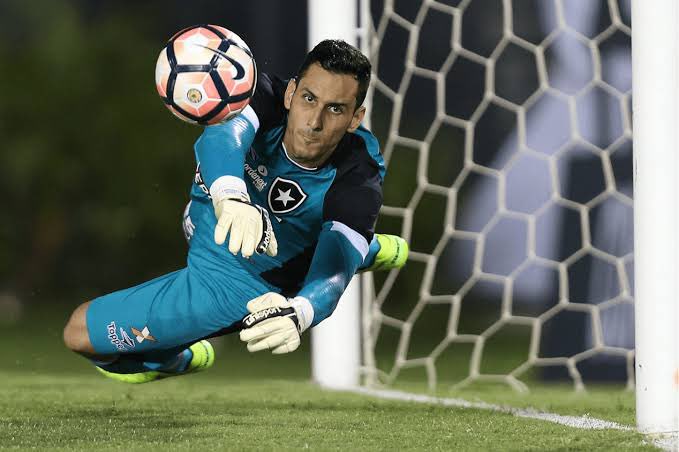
(206, 298)
(173, 310)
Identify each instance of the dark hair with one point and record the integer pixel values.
(337, 56)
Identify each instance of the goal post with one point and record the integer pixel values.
(655, 52)
(335, 343)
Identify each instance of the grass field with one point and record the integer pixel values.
(51, 399)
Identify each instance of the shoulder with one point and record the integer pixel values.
(355, 196)
(358, 153)
(267, 101)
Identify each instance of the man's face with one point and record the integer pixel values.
(321, 110)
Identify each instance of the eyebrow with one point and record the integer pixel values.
(332, 104)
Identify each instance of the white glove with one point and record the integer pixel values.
(276, 323)
(248, 223)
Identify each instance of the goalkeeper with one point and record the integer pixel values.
(283, 205)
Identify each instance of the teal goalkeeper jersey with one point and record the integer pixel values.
(337, 202)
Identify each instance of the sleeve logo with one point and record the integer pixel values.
(285, 195)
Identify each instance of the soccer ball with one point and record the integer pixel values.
(206, 74)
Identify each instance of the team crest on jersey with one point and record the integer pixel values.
(285, 195)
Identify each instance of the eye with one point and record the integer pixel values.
(307, 97)
(336, 109)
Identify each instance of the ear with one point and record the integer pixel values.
(289, 91)
(356, 119)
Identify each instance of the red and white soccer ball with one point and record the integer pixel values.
(206, 74)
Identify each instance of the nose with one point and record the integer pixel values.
(315, 121)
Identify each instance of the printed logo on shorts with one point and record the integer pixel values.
(285, 195)
(143, 335)
(125, 338)
(113, 337)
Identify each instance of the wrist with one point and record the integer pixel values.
(304, 311)
(228, 187)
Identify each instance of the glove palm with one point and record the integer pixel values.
(248, 226)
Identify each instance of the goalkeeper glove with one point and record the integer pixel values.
(276, 323)
(249, 225)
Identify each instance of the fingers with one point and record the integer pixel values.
(236, 235)
(267, 343)
(251, 234)
(222, 228)
(279, 335)
(272, 250)
(287, 347)
(268, 300)
(242, 223)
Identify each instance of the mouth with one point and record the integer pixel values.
(307, 138)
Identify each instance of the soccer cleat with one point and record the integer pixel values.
(203, 357)
(393, 253)
(137, 378)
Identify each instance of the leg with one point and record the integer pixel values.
(76, 336)
(77, 339)
(150, 327)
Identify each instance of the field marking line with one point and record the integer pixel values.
(583, 422)
(667, 442)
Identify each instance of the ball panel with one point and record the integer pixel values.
(237, 107)
(180, 115)
(162, 73)
(235, 56)
(232, 36)
(191, 53)
(206, 108)
(223, 115)
(189, 92)
(237, 87)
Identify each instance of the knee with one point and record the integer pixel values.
(76, 337)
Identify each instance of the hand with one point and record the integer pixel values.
(275, 323)
(248, 223)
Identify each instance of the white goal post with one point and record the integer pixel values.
(655, 50)
(343, 347)
(336, 347)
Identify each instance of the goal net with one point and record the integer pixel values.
(506, 128)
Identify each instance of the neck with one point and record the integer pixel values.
(289, 149)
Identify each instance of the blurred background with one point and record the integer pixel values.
(95, 172)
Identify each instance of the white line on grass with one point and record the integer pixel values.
(584, 422)
(668, 443)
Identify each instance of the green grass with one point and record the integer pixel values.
(207, 412)
(52, 399)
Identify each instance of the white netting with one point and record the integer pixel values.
(506, 127)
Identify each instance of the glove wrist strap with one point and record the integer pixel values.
(230, 187)
(304, 311)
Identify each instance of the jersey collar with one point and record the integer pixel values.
(305, 168)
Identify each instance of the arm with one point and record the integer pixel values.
(276, 323)
(339, 253)
(220, 151)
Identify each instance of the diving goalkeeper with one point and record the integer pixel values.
(283, 206)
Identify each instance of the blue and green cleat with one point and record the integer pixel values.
(203, 357)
